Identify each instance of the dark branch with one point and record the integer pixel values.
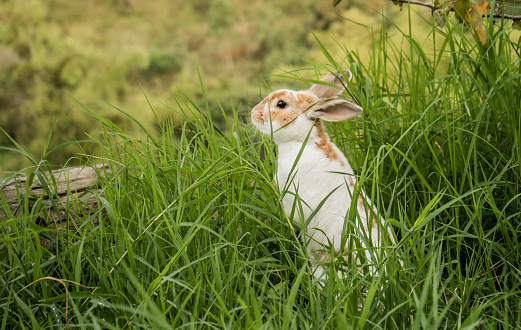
(434, 7)
(419, 3)
(512, 17)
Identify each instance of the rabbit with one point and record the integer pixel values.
(295, 117)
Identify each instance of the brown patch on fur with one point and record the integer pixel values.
(361, 201)
(351, 182)
(347, 253)
(305, 100)
(324, 144)
(369, 213)
(257, 111)
(375, 221)
(322, 256)
(279, 95)
(283, 116)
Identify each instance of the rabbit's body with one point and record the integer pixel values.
(315, 177)
(322, 173)
(333, 177)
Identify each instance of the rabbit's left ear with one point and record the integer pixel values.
(334, 109)
(337, 78)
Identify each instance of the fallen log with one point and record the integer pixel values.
(65, 195)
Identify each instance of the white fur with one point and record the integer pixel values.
(315, 176)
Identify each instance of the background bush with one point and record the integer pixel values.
(106, 53)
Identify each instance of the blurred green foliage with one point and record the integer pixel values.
(104, 53)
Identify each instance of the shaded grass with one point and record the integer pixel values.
(195, 236)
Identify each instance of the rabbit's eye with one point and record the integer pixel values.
(281, 104)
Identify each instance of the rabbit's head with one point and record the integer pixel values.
(290, 115)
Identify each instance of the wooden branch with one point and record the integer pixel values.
(74, 196)
(419, 3)
(434, 7)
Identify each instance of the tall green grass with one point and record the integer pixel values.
(192, 233)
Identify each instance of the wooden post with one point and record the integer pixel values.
(74, 195)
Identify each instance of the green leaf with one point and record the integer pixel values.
(461, 8)
(49, 137)
(18, 147)
(430, 206)
(293, 294)
(439, 17)
(400, 4)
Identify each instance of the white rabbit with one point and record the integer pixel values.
(291, 117)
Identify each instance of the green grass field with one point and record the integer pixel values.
(195, 235)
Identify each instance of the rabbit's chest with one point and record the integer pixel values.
(309, 174)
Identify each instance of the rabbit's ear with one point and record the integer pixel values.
(334, 109)
(338, 79)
